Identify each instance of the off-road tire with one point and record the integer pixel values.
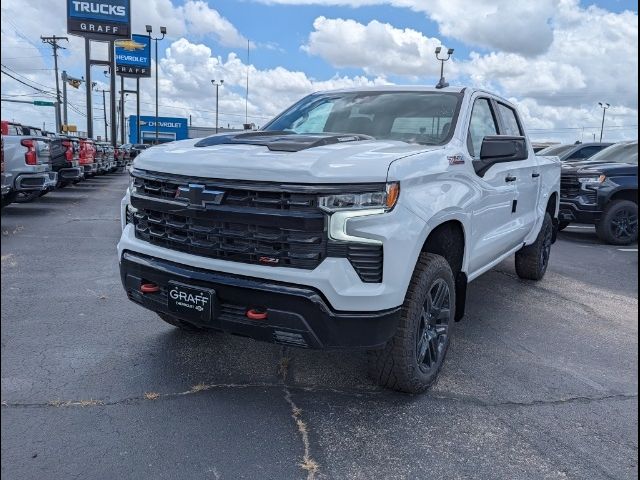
(532, 260)
(182, 325)
(396, 366)
(607, 229)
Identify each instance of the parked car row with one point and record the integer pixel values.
(599, 186)
(35, 162)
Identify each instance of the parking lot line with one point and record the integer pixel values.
(628, 249)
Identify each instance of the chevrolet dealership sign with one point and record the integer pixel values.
(133, 57)
(102, 20)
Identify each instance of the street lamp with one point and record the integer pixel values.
(218, 85)
(163, 31)
(442, 83)
(604, 110)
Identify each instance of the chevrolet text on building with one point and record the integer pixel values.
(169, 129)
(355, 219)
(101, 20)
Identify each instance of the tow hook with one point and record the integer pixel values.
(149, 288)
(256, 314)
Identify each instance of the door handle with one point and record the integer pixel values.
(535, 174)
(510, 178)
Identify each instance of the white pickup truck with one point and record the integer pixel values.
(354, 219)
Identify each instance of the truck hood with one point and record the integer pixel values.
(357, 161)
(608, 168)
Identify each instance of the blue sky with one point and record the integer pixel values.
(555, 58)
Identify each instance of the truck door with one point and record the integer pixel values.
(526, 172)
(494, 228)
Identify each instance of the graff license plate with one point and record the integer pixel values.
(190, 302)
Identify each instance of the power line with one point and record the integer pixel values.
(23, 76)
(30, 86)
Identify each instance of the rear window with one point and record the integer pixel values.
(626, 152)
(555, 150)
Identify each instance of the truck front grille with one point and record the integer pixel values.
(273, 225)
(569, 185)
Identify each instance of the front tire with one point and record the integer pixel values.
(28, 196)
(532, 260)
(562, 226)
(412, 359)
(619, 223)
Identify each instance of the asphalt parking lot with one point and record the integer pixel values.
(540, 380)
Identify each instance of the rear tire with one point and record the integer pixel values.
(412, 359)
(619, 223)
(182, 325)
(532, 260)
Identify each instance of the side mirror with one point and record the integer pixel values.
(498, 149)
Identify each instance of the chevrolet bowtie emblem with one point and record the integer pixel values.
(130, 45)
(198, 196)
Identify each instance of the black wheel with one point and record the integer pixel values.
(532, 260)
(26, 197)
(619, 223)
(8, 199)
(182, 325)
(410, 362)
(562, 226)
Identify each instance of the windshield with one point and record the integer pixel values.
(625, 152)
(413, 117)
(555, 150)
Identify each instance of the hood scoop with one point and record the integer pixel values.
(281, 141)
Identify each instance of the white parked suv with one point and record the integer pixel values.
(355, 218)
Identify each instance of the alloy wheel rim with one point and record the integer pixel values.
(545, 251)
(624, 224)
(433, 330)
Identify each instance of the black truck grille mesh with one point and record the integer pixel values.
(293, 234)
(569, 185)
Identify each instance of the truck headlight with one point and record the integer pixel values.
(132, 182)
(591, 180)
(385, 200)
(344, 207)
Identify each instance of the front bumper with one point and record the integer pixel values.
(580, 209)
(35, 181)
(296, 315)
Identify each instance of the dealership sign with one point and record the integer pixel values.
(133, 57)
(169, 129)
(102, 19)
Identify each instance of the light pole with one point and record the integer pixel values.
(604, 110)
(218, 85)
(442, 83)
(163, 31)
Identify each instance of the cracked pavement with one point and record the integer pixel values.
(540, 379)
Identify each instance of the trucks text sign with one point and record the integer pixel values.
(101, 19)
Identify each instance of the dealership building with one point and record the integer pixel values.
(169, 129)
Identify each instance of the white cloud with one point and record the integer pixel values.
(507, 25)
(377, 48)
(188, 69)
(202, 20)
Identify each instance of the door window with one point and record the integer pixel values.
(510, 120)
(483, 123)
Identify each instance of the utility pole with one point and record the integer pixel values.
(217, 84)
(604, 110)
(104, 110)
(64, 95)
(53, 41)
